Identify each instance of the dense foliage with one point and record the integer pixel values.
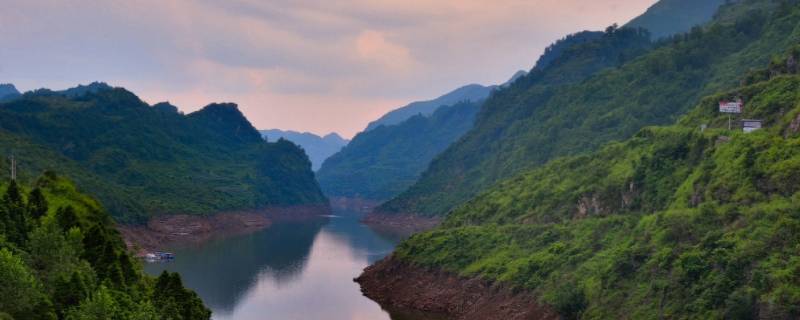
(597, 92)
(675, 222)
(142, 160)
(382, 162)
(61, 258)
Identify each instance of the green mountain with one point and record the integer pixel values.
(380, 163)
(8, 91)
(675, 222)
(670, 17)
(61, 258)
(142, 161)
(317, 148)
(596, 92)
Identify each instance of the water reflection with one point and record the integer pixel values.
(292, 270)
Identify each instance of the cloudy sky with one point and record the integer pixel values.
(307, 65)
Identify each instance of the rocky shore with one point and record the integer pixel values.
(397, 284)
(168, 230)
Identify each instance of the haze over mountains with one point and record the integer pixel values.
(468, 93)
(569, 105)
(317, 148)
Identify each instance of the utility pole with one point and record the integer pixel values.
(13, 168)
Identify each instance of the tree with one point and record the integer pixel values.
(37, 204)
(99, 306)
(67, 218)
(21, 295)
(16, 224)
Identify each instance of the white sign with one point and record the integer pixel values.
(751, 125)
(730, 106)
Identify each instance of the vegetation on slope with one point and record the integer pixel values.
(669, 17)
(61, 258)
(380, 163)
(597, 92)
(142, 160)
(676, 222)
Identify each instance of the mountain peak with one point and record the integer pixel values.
(226, 119)
(8, 91)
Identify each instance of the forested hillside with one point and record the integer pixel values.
(380, 163)
(677, 222)
(596, 92)
(142, 161)
(61, 258)
(669, 17)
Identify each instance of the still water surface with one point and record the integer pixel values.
(291, 270)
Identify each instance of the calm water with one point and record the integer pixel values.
(292, 270)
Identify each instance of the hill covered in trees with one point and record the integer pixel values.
(688, 221)
(142, 160)
(670, 17)
(380, 163)
(595, 92)
(61, 258)
(317, 148)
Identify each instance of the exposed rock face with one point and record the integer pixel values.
(396, 284)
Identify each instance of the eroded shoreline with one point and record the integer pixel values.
(165, 231)
(397, 284)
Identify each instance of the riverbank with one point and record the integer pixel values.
(397, 284)
(168, 230)
(400, 223)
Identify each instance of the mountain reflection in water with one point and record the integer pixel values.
(291, 270)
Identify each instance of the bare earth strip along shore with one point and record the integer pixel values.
(164, 231)
(398, 284)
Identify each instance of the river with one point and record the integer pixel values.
(291, 270)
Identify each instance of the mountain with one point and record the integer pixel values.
(318, 148)
(472, 92)
(678, 221)
(469, 93)
(61, 258)
(380, 163)
(8, 91)
(670, 17)
(142, 160)
(596, 92)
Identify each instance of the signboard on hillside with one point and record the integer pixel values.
(730, 106)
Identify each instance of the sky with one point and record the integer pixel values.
(307, 65)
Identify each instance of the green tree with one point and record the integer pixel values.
(37, 204)
(99, 306)
(21, 295)
(67, 218)
(15, 215)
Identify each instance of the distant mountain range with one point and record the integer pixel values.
(379, 164)
(596, 90)
(317, 148)
(468, 93)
